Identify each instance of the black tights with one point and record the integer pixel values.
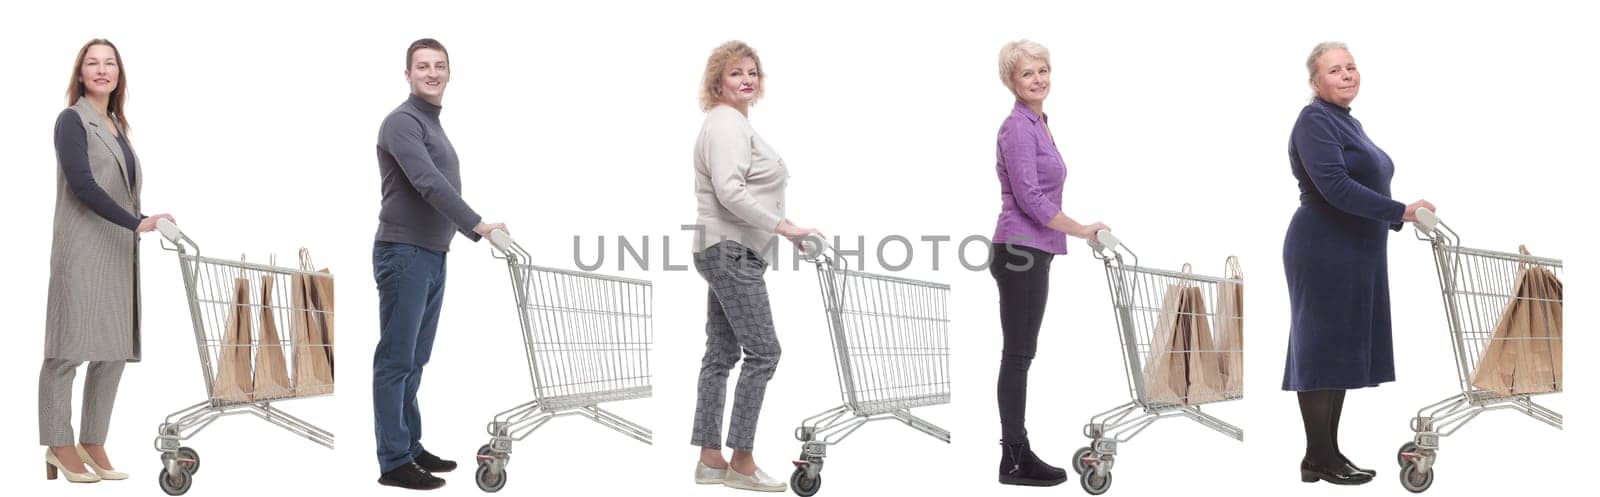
(1320, 410)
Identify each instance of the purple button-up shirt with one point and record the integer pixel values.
(1031, 175)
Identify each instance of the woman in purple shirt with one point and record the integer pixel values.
(1030, 231)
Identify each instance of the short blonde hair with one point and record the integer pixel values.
(1013, 53)
(721, 57)
(1316, 52)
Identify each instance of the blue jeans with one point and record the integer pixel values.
(410, 290)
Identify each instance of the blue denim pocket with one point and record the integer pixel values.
(390, 260)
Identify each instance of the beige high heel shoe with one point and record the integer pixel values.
(105, 474)
(53, 466)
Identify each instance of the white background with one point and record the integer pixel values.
(256, 124)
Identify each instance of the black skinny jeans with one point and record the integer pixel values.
(1023, 277)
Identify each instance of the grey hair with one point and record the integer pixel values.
(1321, 48)
(1012, 54)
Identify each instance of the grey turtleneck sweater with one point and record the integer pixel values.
(421, 180)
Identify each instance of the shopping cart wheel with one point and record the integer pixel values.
(1416, 481)
(190, 454)
(174, 483)
(490, 480)
(803, 485)
(1094, 483)
(1400, 456)
(1077, 460)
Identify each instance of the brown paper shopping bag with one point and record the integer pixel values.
(1163, 367)
(310, 326)
(271, 370)
(322, 301)
(1202, 363)
(1230, 329)
(1523, 355)
(233, 380)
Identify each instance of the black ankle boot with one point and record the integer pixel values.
(1020, 466)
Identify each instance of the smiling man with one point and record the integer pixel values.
(422, 211)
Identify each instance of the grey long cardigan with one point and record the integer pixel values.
(92, 311)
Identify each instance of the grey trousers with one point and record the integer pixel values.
(55, 401)
(738, 318)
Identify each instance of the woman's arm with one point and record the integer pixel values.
(727, 151)
(1019, 152)
(72, 153)
(1061, 222)
(1322, 155)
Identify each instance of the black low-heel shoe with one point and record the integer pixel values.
(1357, 469)
(1343, 475)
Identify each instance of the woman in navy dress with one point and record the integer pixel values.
(1335, 257)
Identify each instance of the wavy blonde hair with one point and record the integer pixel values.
(721, 57)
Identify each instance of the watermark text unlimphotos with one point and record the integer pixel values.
(892, 253)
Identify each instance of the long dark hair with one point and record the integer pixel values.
(119, 95)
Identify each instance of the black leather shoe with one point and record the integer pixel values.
(1344, 474)
(411, 476)
(1351, 467)
(1020, 466)
(433, 463)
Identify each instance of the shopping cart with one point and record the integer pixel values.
(1477, 285)
(891, 349)
(587, 339)
(211, 284)
(1137, 295)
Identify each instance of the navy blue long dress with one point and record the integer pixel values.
(1335, 255)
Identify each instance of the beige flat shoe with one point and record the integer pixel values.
(706, 475)
(759, 482)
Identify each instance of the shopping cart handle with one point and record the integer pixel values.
(168, 230)
(1427, 220)
(1105, 240)
(500, 240)
(815, 246)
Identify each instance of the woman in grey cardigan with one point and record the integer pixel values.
(739, 185)
(92, 310)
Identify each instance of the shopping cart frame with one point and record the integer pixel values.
(517, 423)
(180, 463)
(832, 426)
(1443, 418)
(1122, 423)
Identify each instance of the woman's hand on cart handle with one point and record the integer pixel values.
(794, 233)
(1411, 212)
(1088, 231)
(1105, 240)
(150, 223)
